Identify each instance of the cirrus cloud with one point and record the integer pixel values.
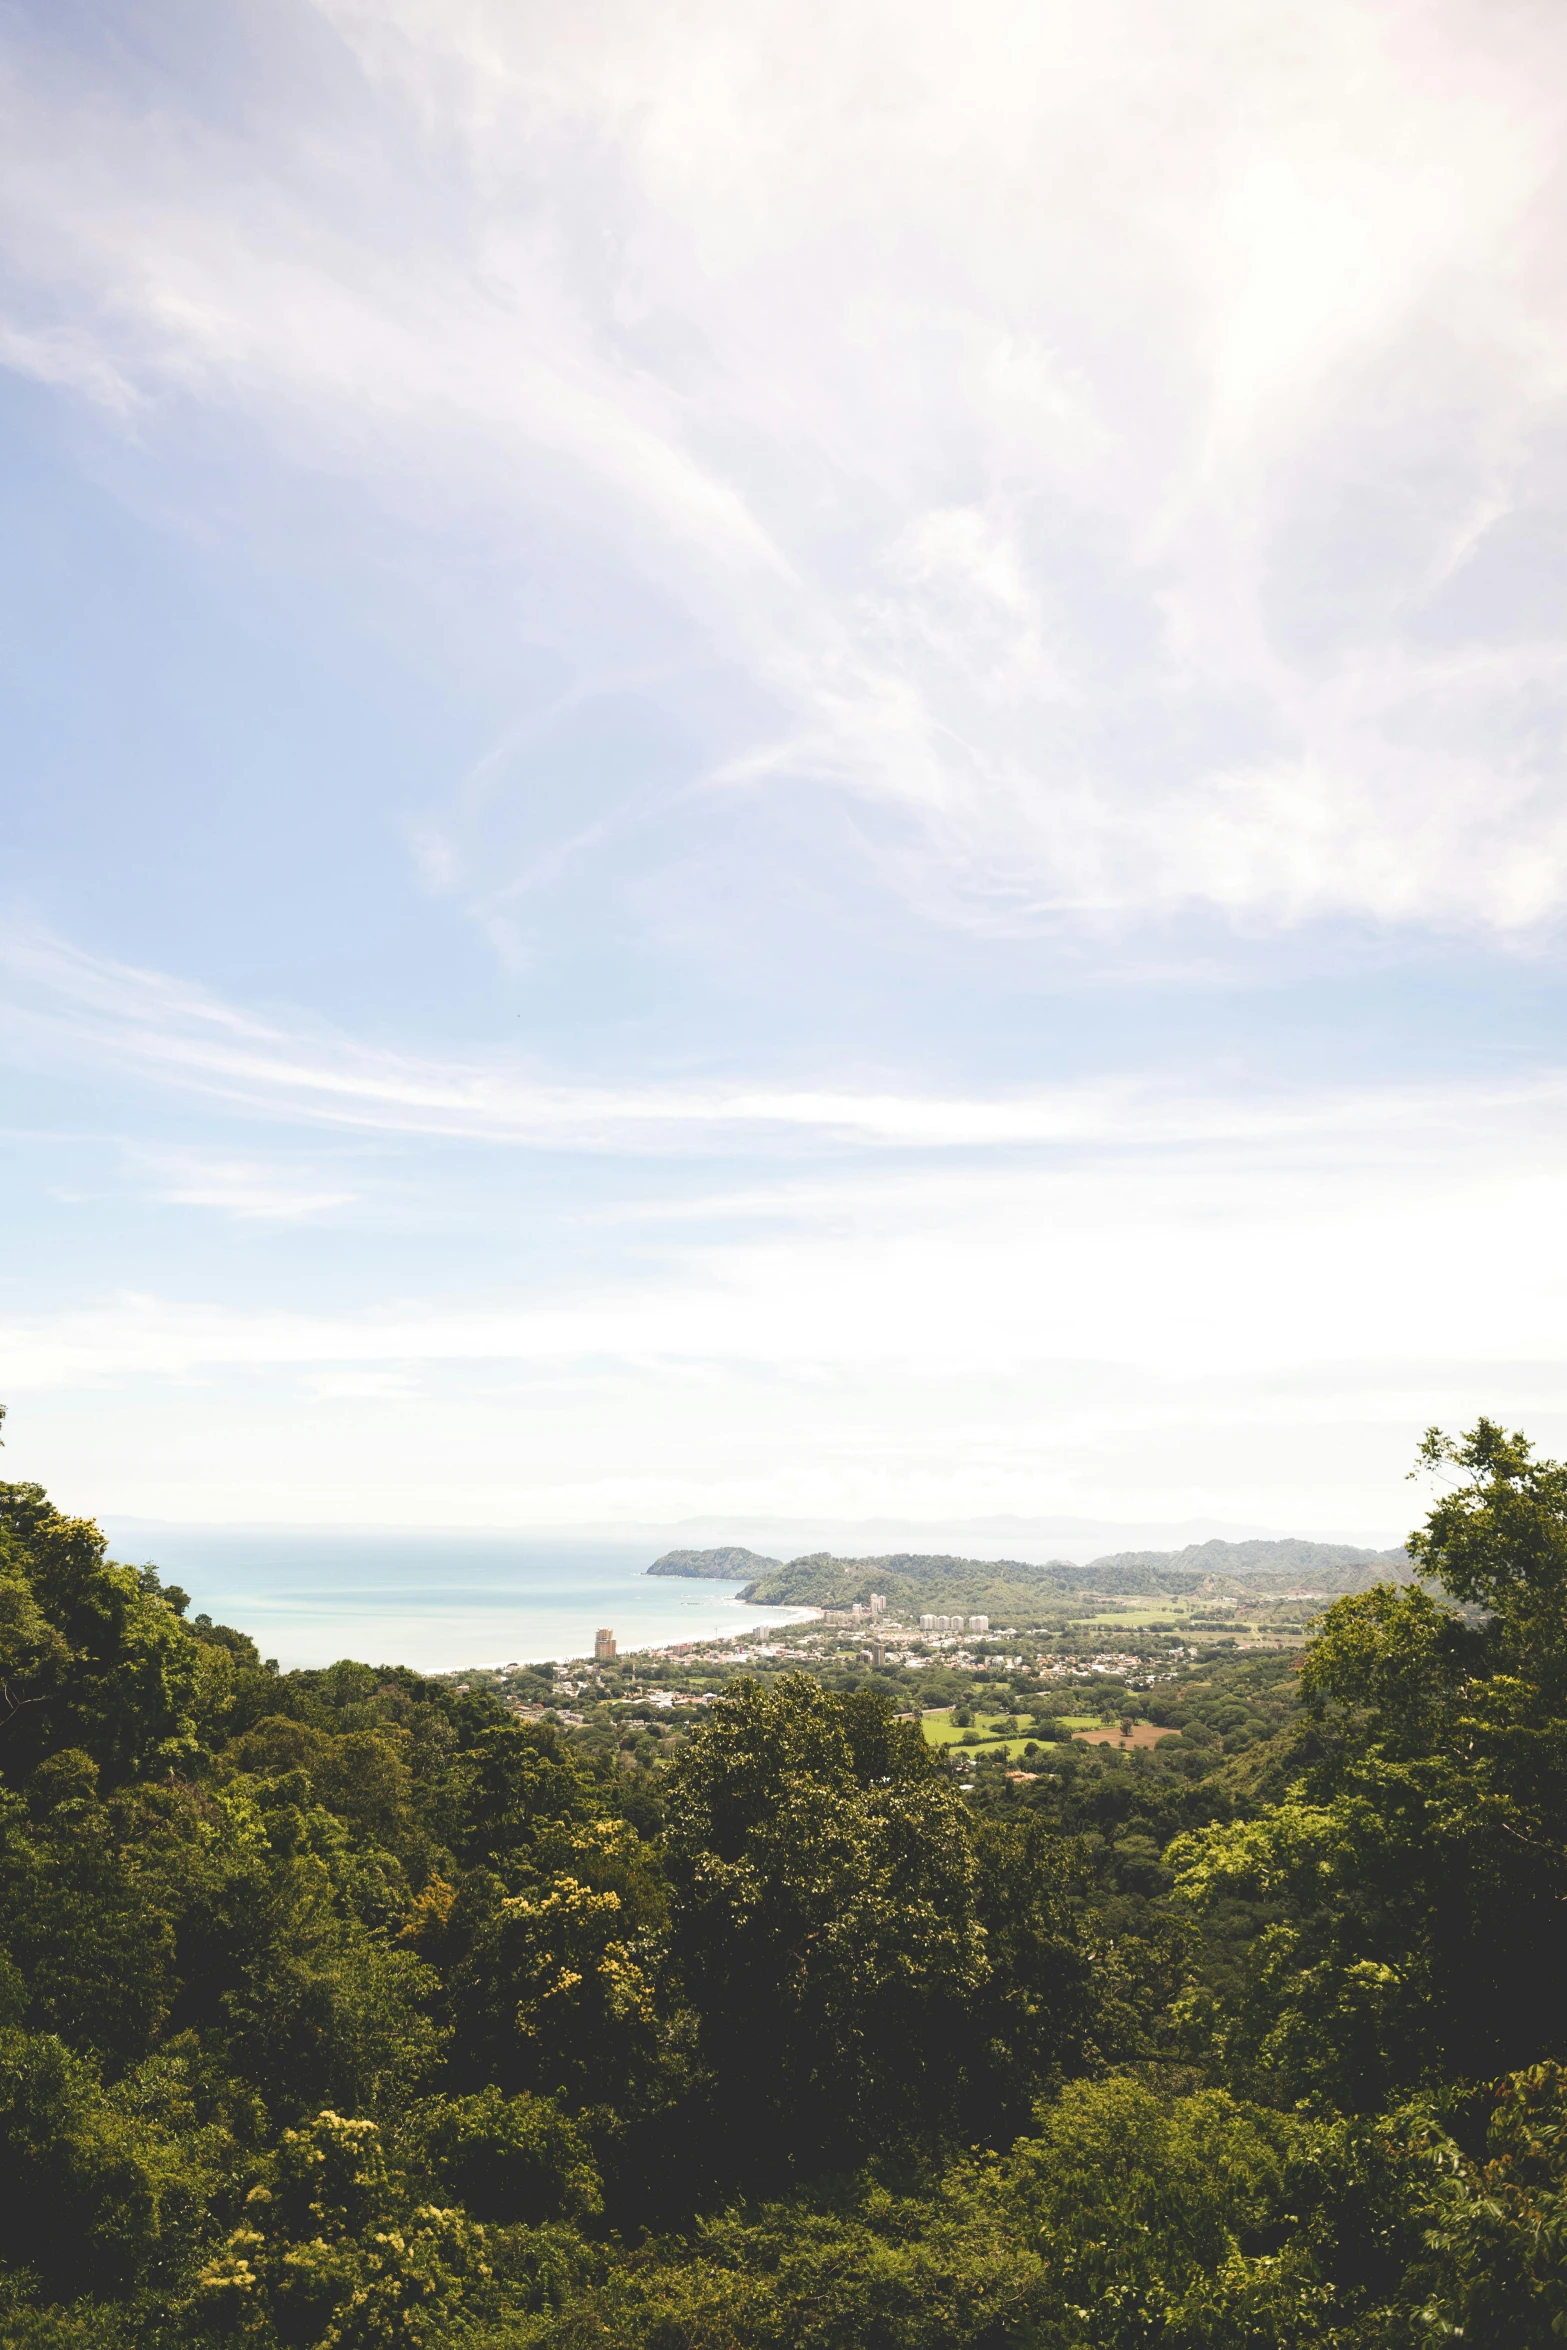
(1125, 459)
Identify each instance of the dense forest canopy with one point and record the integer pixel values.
(347, 2008)
(722, 1564)
(910, 1581)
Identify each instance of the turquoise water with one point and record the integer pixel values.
(433, 1601)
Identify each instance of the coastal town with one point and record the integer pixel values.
(1176, 1691)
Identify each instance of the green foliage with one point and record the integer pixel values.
(504, 2159)
(1152, 2211)
(106, 2188)
(513, 1781)
(727, 1564)
(1021, 1592)
(825, 1919)
(1499, 2231)
(554, 1996)
(1419, 1870)
(342, 2010)
(331, 2256)
(1035, 2012)
(891, 2272)
(1008, 1590)
(92, 1655)
(329, 2006)
(1128, 2220)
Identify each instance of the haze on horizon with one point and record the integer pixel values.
(780, 764)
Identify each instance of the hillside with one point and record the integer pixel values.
(1257, 1566)
(913, 1582)
(722, 1565)
(808, 2006)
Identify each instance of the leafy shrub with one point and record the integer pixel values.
(504, 2159)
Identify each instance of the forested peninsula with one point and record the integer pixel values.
(911, 1582)
(351, 2009)
(723, 1564)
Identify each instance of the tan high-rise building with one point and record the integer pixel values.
(604, 1651)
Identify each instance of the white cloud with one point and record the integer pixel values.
(65, 1003)
(250, 1190)
(1152, 1298)
(1112, 453)
(1093, 438)
(1213, 1338)
(982, 1279)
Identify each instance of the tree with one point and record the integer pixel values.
(515, 1781)
(503, 2158)
(332, 2255)
(1421, 1861)
(825, 1921)
(1498, 2230)
(92, 1654)
(554, 1995)
(1035, 2011)
(105, 2188)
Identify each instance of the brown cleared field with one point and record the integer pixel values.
(1140, 1734)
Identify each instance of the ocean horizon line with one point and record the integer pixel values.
(780, 1533)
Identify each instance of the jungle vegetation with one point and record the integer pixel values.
(1014, 1588)
(343, 2009)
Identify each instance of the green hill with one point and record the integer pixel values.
(715, 1565)
(915, 1583)
(1261, 1566)
(912, 1584)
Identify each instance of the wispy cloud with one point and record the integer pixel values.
(251, 1190)
(1087, 477)
(1114, 455)
(114, 1016)
(968, 1305)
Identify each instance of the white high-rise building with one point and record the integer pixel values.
(979, 1623)
(929, 1623)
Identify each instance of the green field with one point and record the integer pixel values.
(939, 1730)
(1136, 1615)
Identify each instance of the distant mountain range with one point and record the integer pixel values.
(1265, 1565)
(914, 1582)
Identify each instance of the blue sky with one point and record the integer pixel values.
(780, 762)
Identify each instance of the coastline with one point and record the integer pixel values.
(436, 1603)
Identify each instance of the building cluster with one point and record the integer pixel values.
(1087, 1668)
(859, 1611)
(950, 1624)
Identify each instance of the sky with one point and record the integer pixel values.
(780, 763)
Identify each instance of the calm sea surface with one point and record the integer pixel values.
(433, 1601)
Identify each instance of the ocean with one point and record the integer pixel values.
(437, 1602)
